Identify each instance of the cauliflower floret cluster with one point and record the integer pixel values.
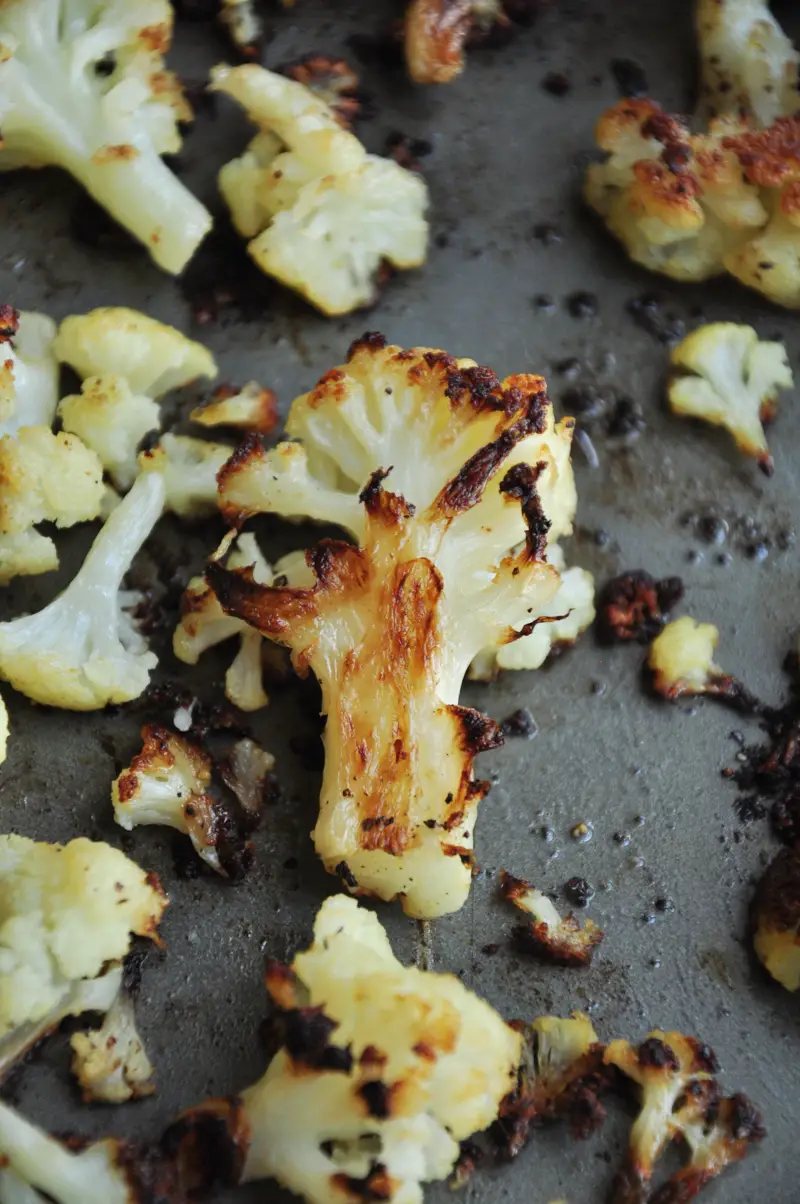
(28, 370)
(450, 562)
(83, 87)
(724, 374)
(66, 915)
(438, 31)
(748, 66)
(82, 651)
(383, 1070)
(549, 935)
(776, 913)
(322, 215)
(43, 478)
(126, 361)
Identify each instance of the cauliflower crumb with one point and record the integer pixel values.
(28, 370)
(728, 376)
(383, 1070)
(549, 935)
(681, 659)
(777, 919)
(110, 1063)
(127, 360)
(251, 408)
(321, 214)
(107, 127)
(748, 64)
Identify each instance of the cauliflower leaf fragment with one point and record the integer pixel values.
(729, 377)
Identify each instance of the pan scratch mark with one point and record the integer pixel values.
(423, 945)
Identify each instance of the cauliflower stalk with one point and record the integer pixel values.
(321, 214)
(382, 1071)
(204, 623)
(724, 374)
(748, 64)
(390, 627)
(549, 935)
(28, 371)
(126, 360)
(189, 468)
(83, 87)
(66, 915)
(82, 651)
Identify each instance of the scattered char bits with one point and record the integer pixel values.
(332, 80)
(630, 78)
(681, 660)
(520, 723)
(776, 919)
(634, 606)
(548, 935)
(407, 151)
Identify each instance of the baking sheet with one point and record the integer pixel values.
(506, 156)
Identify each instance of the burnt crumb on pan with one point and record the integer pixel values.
(648, 313)
(407, 151)
(634, 607)
(582, 304)
(626, 421)
(519, 723)
(470, 1157)
(578, 892)
(162, 699)
(556, 83)
(630, 79)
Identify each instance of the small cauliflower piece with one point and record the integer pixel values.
(776, 912)
(729, 377)
(719, 1136)
(43, 478)
(108, 128)
(66, 915)
(82, 651)
(681, 660)
(747, 63)
(438, 31)
(28, 370)
(127, 360)
(167, 783)
(189, 468)
(110, 1063)
(204, 623)
(251, 408)
(246, 772)
(321, 214)
(453, 564)
(382, 1071)
(549, 935)
(243, 24)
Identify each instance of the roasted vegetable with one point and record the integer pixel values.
(748, 64)
(251, 408)
(189, 469)
(438, 31)
(777, 919)
(681, 660)
(549, 935)
(28, 370)
(110, 1062)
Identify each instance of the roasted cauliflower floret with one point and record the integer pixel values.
(83, 87)
(322, 215)
(110, 1062)
(127, 360)
(383, 1070)
(549, 935)
(747, 63)
(437, 32)
(679, 204)
(66, 915)
(681, 660)
(243, 24)
(726, 375)
(28, 370)
(717, 1136)
(189, 468)
(777, 919)
(252, 408)
(43, 478)
(204, 623)
(82, 651)
(454, 563)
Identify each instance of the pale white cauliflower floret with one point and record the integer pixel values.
(110, 1062)
(729, 377)
(127, 360)
(748, 64)
(322, 214)
(61, 105)
(414, 1064)
(66, 915)
(28, 372)
(82, 651)
(43, 478)
(682, 658)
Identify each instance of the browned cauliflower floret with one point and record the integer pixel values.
(777, 919)
(681, 660)
(717, 1136)
(748, 64)
(251, 408)
(437, 32)
(549, 935)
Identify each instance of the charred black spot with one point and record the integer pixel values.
(656, 1053)
(371, 340)
(520, 483)
(706, 1059)
(746, 1122)
(374, 487)
(520, 723)
(480, 386)
(306, 1037)
(134, 963)
(378, 1098)
(203, 1146)
(634, 606)
(377, 821)
(9, 323)
(347, 876)
(479, 733)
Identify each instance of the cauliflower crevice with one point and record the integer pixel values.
(549, 935)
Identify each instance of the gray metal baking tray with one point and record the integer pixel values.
(507, 155)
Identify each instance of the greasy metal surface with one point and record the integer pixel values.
(506, 155)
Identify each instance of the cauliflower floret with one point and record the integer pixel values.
(681, 660)
(322, 215)
(437, 31)
(168, 783)
(204, 623)
(748, 64)
(66, 915)
(43, 478)
(549, 935)
(383, 1070)
(678, 203)
(28, 370)
(251, 408)
(127, 360)
(391, 626)
(717, 1136)
(777, 919)
(246, 772)
(110, 1063)
(83, 87)
(730, 378)
(243, 25)
(82, 652)
(189, 468)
